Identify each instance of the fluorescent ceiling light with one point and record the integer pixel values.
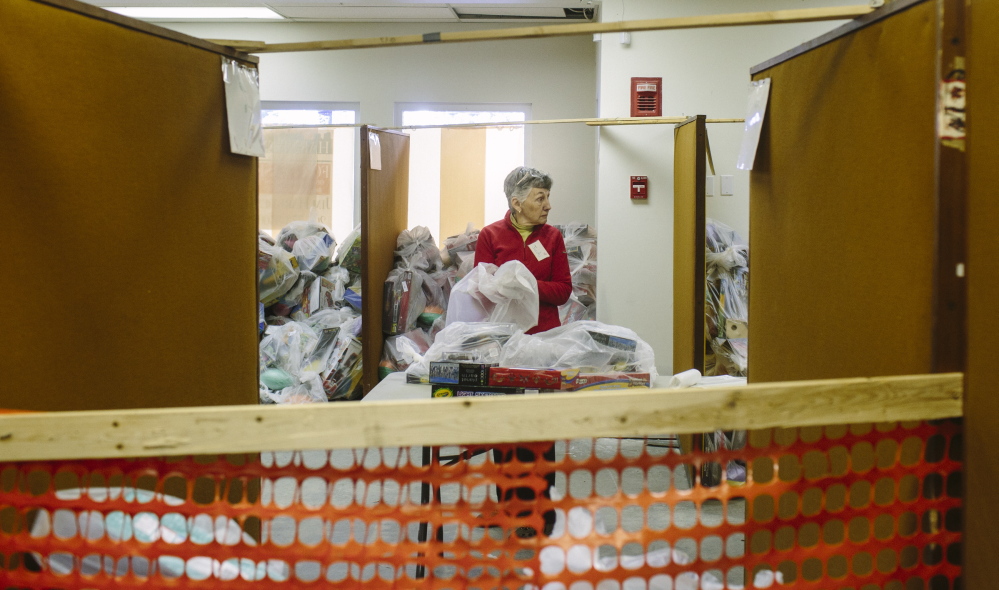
(195, 12)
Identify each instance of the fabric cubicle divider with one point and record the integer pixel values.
(131, 228)
(688, 244)
(384, 215)
(843, 203)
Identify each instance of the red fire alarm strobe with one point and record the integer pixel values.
(646, 97)
(640, 187)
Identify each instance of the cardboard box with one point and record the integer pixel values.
(597, 381)
(610, 341)
(451, 373)
(539, 378)
(445, 390)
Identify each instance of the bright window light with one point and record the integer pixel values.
(283, 117)
(195, 12)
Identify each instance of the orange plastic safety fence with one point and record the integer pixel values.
(868, 506)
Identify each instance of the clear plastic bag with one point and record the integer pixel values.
(463, 342)
(291, 301)
(286, 347)
(342, 374)
(404, 300)
(349, 254)
(277, 271)
(310, 242)
(415, 248)
(592, 347)
(726, 320)
(581, 250)
(402, 351)
(327, 292)
(456, 248)
(507, 294)
(306, 392)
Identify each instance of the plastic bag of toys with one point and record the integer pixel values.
(277, 271)
(349, 253)
(311, 244)
(415, 248)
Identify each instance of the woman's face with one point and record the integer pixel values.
(533, 209)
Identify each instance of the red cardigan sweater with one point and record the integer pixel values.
(501, 242)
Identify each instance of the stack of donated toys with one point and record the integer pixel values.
(310, 315)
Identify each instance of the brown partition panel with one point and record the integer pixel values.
(981, 401)
(384, 214)
(131, 228)
(842, 210)
(688, 244)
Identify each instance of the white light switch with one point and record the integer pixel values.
(709, 186)
(726, 185)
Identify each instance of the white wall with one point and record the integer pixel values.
(557, 76)
(704, 71)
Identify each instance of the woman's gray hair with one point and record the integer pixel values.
(521, 180)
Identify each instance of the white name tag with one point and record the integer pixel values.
(539, 251)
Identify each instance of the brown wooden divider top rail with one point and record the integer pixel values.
(629, 412)
(659, 24)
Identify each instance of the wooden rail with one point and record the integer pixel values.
(660, 24)
(629, 412)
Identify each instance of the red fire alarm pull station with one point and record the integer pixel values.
(640, 187)
(646, 97)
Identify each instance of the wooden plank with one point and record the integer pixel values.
(688, 244)
(981, 453)
(384, 215)
(446, 421)
(463, 180)
(843, 244)
(115, 145)
(94, 12)
(661, 24)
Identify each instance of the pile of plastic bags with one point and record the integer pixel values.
(581, 248)
(726, 318)
(416, 298)
(310, 322)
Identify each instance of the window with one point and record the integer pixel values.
(456, 173)
(308, 171)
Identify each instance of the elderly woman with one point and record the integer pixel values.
(525, 235)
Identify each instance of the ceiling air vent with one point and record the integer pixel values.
(646, 97)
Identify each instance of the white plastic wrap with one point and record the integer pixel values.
(508, 294)
(464, 342)
(591, 346)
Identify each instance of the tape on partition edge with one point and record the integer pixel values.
(432, 38)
